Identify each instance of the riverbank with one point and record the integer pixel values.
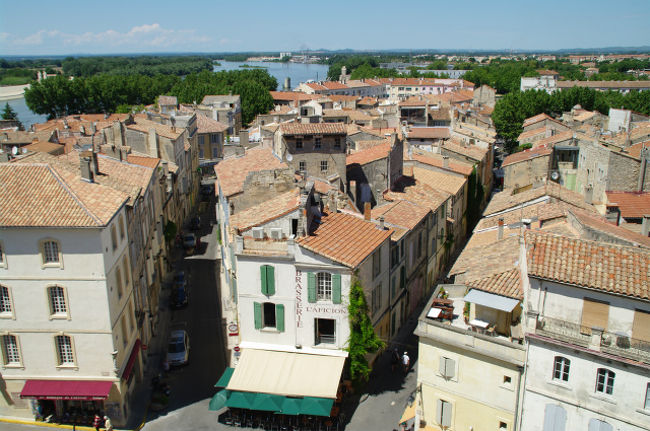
(9, 92)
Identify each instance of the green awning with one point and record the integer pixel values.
(241, 400)
(218, 401)
(316, 406)
(225, 378)
(268, 402)
(291, 406)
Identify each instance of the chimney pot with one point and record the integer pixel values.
(645, 225)
(500, 231)
(381, 223)
(366, 211)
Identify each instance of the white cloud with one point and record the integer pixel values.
(147, 36)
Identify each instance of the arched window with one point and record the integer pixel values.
(51, 252)
(64, 351)
(605, 381)
(58, 306)
(5, 301)
(10, 350)
(561, 367)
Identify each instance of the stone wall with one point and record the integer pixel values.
(260, 186)
(528, 172)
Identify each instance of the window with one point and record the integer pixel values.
(324, 287)
(215, 152)
(503, 426)
(58, 305)
(125, 266)
(507, 380)
(298, 143)
(201, 151)
(376, 298)
(64, 353)
(605, 381)
(131, 318)
(302, 166)
(561, 368)
(50, 251)
(376, 263)
(125, 334)
(447, 367)
(646, 405)
(325, 331)
(443, 413)
(118, 279)
(269, 316)
(323, 165)
(214, 138)
(10, 352)
(337, 142)
(121, 227)
(317, 143)
(114, 237)
(267, 278)
(641, 326)
(5, 300)
(3, 259)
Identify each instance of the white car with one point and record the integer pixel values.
(178, 351)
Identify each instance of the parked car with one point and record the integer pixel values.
(195, 223)
(189, 242)
(178, 350)
(180, 277)
(180, 293)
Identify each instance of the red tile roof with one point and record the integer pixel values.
(291, 95)
(526, 155)
(506, 283)
(595, 265)
(437, 160)
(333, 85)
(401, 213)
(508, 199)
(266, 211)
(345, 238)
(530, 133)
(232, 172)
(368, 155)
(208, 125)
(144, 126)
(536, 119)
(313, 129)
(597, 222)
(631, 204)
(428, 133)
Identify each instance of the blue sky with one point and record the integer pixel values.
(30, 27)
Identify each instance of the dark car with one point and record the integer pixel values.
(180, 296)
(195, 223)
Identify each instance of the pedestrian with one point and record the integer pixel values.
(107, 424)
(97, 422)
(406, 362)
(394, 359)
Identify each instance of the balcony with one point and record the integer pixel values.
(613, 343)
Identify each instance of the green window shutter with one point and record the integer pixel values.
(336, 288)
(270, 280)
(311, 287)
(258, 315)
(263, 279)
(279, 317)
(402, 277)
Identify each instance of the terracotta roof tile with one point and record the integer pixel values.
(536, 119)
(506, 199)
(143, 125)
(428, 133)
(266, 211)
(232, 172)
(530, 133)
(313, 129)
(417, 193)
(610, 268)
(291, 96)
(631, 204)
(437, 160)
(526, 155)
(471, 151)
(438, 180)
(554, 139)
(506, 283)
(371, 154)
(149, 162)
(484, 260)
(208, 125)
(333, 85)
(345, 238)
(597, 222)
(167, 100)
(401, 213)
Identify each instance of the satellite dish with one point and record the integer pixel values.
(289, 157)
(14, 150)
(555, 175)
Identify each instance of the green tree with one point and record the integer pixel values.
(363, 339)
(9, 114)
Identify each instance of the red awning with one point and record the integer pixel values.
(66, 389)
(134, 355)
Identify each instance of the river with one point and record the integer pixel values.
(298, 72)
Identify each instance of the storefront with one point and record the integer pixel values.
(67, 401)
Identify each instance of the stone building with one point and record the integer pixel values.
(225, 109)
(525, 169)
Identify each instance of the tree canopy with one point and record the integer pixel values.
(139, 65)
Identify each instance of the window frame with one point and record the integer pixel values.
(318, 143)
(324, 166)
(302, 165)
(6, 363)
(646, 404)
(114, 237)
(8, 302)
(54, 314)
(118, 279)
(322, 286)
(58, 353)
(561, 369)
(607, 384)
(122, 231)
(44, 252)
(299, 144)
(318, 338)
(3, 256)
(266, 313)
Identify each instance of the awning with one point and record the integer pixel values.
(225, 378)
(408, 415)
(218, 401)
(491, 300)
(134, 355)
(316, 406)
(66, 389)
(278, 404)
(286, 373)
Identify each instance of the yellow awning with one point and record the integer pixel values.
(286, 373)
(409, 413)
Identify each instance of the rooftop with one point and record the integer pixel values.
(368, 155)
(418, 193)
(263, 213)
(438, 161)
(208, 125)
(526, 155)
(345, 238)
(631, 204)
(232, 172)
(506, 199)
(143, 125)
(439, 180)
(313, 129)
(428, 133)
(401, 213)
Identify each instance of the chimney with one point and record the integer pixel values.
(645, 225)
(331, 203)
(500, 231)
(445, 161)
(381, 223)
(642, 169)
(366, 211)
(152, 139)
(589, 194)
(353, 191)
(95, 162)
(85, 162)
(243, 137)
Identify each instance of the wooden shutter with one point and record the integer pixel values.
(598, 425)
(279, 317)
(554, 418)
(258, 315)
(447, 367)
(402, 277)
(641, 326)
(594, 314)
(336, 288)
(446, 414)
(270, 280)
(311, 287)
(263, 279)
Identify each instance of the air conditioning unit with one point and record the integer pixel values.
(276, 233)
(258, 233)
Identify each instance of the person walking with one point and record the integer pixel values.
(97, 422)
(394, 359)
(107, 424)
(406, 362)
